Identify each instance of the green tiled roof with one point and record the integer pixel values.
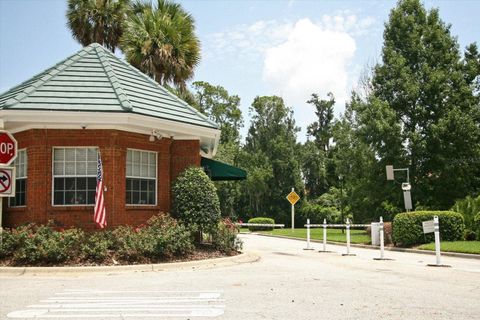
(95, 80)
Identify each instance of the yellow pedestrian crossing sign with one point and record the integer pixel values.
(293, 197)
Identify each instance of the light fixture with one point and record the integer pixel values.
(155, 134)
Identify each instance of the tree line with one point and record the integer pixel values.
(419, 107)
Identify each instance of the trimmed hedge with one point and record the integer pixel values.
(262, 220)
(408, 230)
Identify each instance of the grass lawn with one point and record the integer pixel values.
(356, 236)
(454, 246)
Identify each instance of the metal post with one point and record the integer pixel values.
(348, 239)
(348, 236)
(308, 236)
(436, 230)
(293, 214)
(382, 247)
(324, 234)
(1, 222)
(437, 239)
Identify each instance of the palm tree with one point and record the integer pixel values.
(160, 41)
(98, 21)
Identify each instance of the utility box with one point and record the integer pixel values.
(375, 227)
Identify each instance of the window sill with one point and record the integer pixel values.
(141, 207)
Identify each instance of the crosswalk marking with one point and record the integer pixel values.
(125, 304)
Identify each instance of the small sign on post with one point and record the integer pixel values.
(428, 226)
(293, 198)
(434, 226)
(7, 181)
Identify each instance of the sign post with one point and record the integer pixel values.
(434, 226)
(348, 239)
(308, 236)
(293, 197)
(8, 153)
(382, 241)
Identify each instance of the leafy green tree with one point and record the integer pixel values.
(98, 21)
(270, 155)
(195, 201)
(160, 40)
(221, 107)
(321, 129)
(423, 112)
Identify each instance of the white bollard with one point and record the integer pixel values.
(382, 241)
(348, 239)
(308, 236)
(437, 239)
(382, 246)
(325, 235)
(436, 230)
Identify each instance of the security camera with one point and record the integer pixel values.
(84, 126)
(406, 186)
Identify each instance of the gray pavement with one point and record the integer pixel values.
(286, 283)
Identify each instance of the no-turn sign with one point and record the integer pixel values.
(8, 148)
(7, 182)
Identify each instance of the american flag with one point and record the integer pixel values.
(99, 215)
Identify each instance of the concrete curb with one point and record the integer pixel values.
(367, 246)
(244, 257)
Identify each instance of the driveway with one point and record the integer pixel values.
(286, 283)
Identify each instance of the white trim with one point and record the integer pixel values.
(70, 176)
(146, 178)
(21, 120)
(18, 178)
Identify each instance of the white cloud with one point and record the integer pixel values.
(312, 59)
(297, 58)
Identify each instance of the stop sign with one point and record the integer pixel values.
(8, 148)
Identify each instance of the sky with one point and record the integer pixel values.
(252, 48)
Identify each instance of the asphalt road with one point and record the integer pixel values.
(286, 283)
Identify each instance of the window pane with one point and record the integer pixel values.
(92, 183)
(136, 156)
(70, 197)
(92, 154)
(81, 183)
(129, 156)
(91, 197)
(92, 168)
(144, 171)
(81, 168)
(58, 198)
(136, 170)
(69, 184)
(152, 159)
(58, 168)
(70, 168)
(59, 184)
(129, 169)
(152, 171)
(58, 154)
(129, 185)
(81, 154)
(135, 197)
(144, 158)
(80, 197)
(69, 154)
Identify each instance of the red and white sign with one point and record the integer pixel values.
(7, 182)
(8, 148)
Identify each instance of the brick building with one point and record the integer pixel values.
(92, 104)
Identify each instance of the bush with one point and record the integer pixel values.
(470, 235)
(96, 246)
(316, 213)
(195, 200)
(225, 239)
(261, 220)
(408, 230)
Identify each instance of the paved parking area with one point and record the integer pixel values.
(286, 283)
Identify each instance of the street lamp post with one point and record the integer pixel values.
(406, 187)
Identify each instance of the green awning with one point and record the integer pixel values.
(219, 171)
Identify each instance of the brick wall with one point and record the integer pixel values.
(173, 157)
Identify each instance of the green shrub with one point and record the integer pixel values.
(165, 237)
(316, 213)
(195, 200)
(261, 220)
(469, 208)
(225, 239)
(96, 246)
(43, 244)
(408, 230)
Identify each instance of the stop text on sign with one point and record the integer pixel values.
(8, 148)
